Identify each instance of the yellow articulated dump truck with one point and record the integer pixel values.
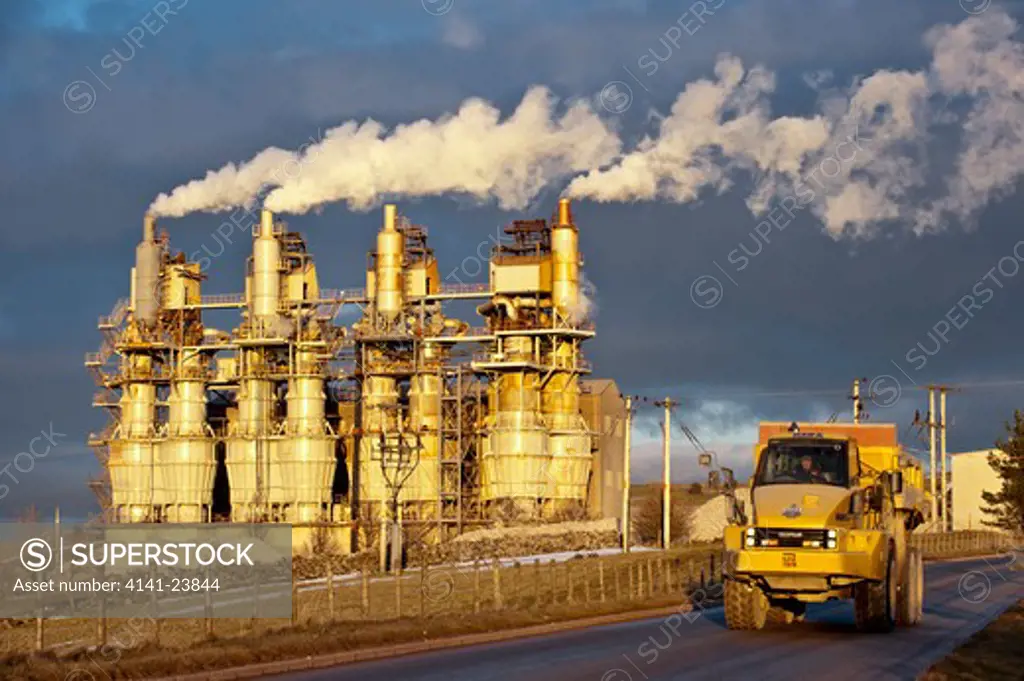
(832, 505)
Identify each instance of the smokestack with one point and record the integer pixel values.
(390, 277)
(266, 278)
(266, 224)
(565, 279)
(146, 274)
(149, 228)
(564, 212)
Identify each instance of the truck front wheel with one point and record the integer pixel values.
(746, 607)
(874, 602)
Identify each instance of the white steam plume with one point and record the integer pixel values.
(585, 307)
(472, 152)
(864, 159)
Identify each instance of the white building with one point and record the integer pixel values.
(971, 476)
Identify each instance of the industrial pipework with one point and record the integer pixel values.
(290, 417)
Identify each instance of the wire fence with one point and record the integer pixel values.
(454, 590)
(428, 591)
(937, 545)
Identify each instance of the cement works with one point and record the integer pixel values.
(408, 413)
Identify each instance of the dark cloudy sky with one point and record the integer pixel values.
(84, 150)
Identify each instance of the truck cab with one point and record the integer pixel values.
(831, 506)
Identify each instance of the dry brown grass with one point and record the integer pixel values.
(444, 602)
(996, 652)
(308, 640)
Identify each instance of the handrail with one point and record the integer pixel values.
(221, 298)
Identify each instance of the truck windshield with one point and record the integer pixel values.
(801, 462)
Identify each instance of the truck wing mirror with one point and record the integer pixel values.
(873, 499)
(730, 478)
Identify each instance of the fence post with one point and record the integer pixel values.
(568, 580)
(208, 605)
(553, 581)
(330, 591)
(600, 577)
(663, 566)
(39, 633)
(255, 603)
(517, 582)
(423, 587)
(629, 573)
(101, 623)
(365, 580)
(476, 585)
(536, 582)
(650, 579)
(398, 594)
(295, 602)
(618, 586)
(496, 576)
(586, 584)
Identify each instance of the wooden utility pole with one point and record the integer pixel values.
(944, 487)
(626, 474)
(666, 479)
(858, 406)
(931, 453)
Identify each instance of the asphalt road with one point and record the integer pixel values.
(961, 597)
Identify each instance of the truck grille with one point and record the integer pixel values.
(790, 538)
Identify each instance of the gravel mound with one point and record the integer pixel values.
(708, 521)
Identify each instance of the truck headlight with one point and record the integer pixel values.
(750, 541)
(832, 539)
(751, 532)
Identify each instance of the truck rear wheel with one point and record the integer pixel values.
(910, 591)
(746, 607)
(874, 602)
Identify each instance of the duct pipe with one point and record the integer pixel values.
(510, 307)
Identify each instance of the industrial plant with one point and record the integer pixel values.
(407, 414)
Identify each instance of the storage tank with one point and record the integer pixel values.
(568, 435)
(249, 447)
(515, 458)
(424, 420)
(185, 459)
(306, 455)
(133, 474)
(379, 402)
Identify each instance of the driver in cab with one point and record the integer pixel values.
(808, 471)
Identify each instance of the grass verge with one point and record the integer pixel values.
(294, 643)
(996, 652)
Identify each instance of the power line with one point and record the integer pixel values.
(822, 392)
